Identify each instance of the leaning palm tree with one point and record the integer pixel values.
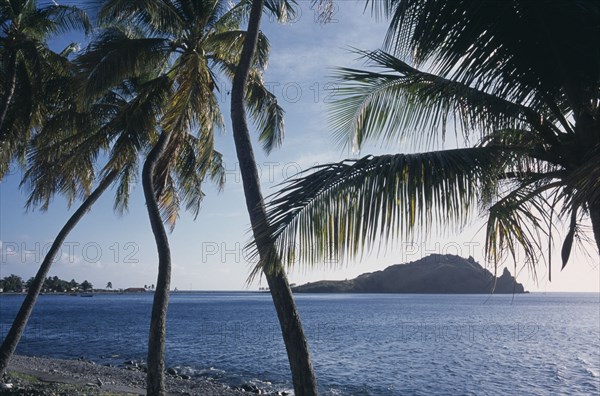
(32, 88)
(52, 171)
(184, 45)
(291, 327)
(520, 78)
(27, 64)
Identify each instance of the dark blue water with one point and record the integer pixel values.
(536, 344)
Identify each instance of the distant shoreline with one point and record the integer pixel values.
(136, 292)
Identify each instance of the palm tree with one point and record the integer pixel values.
(34, 89)
(183, 46)
(291, 327)
(158, 321)
(27, 64)
(520, 77)
(85, 285)
(109, 285)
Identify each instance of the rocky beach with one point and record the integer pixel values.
(42, 376)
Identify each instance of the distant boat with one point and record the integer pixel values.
(86, 294)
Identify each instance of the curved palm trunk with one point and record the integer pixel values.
(9, 87)
(595, 217)
(18, 327)
(158, 323)
(303, 376)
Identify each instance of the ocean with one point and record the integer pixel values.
(362, 344)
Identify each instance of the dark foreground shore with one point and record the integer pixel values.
(41, 376)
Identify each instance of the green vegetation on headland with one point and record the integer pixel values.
(437, 273)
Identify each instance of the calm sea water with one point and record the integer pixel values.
(536, 344)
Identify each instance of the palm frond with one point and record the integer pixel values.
(513, 49)
(324, 9)
(157, 16)
(585, 180)
(181, 171)
(134, 125)
(216, 171)
(342, 209)
(226, 48)
(282, 10)
(117, 55)
(23, 117)
(128, 177)
(232, 18)
(263, 106)
(265, 111)
(193, 104)
(63, 154)
(414, 104)
(520, 220)
(57, 19)
(169, 201)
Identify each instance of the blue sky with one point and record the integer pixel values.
(207, 253)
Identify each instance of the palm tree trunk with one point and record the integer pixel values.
(18, 327)
(9, 87)
(158, 323)
(299, 358)
(595, 217)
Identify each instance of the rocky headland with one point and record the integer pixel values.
(437, 273)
